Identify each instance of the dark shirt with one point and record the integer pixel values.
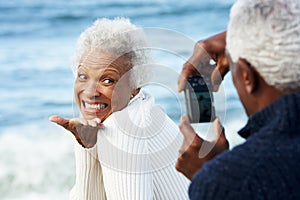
(265, 166)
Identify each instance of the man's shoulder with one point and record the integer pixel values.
(225, 170)
(227, 166)
(248, 168)
(253, 156)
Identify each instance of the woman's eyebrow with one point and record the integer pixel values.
(82, 67)
(101, 72)
(108, 69)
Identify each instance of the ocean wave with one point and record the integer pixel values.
(36, 161)
(67, 18)
(40, 16)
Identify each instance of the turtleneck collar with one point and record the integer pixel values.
(283, 112)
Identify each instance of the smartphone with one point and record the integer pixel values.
(199, 99)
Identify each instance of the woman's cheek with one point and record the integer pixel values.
(78, 88)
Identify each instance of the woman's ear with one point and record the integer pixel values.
(249, 76)
(135, 92)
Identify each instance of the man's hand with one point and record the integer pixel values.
(213, 47)
(85, 131)
(195, 151)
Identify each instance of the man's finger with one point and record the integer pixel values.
(219, 131)
(188, 70)
(181, 83)
(218, 75)
(218, 128)
(216, 79)
(183, 77)
(186, 128)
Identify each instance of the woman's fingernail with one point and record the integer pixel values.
(51, 118)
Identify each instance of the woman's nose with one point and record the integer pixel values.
(91, 90)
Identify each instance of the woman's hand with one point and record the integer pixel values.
(215, 47)
(195, 151)
(85, 131)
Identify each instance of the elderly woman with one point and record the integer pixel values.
(132, 154)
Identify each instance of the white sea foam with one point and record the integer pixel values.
(37, 162)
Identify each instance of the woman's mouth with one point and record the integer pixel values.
(94, 107)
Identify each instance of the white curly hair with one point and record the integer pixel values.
(120, 37)
(267, 34)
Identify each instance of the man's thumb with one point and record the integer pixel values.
(186, 128)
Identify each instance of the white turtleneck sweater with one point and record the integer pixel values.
(134, 158)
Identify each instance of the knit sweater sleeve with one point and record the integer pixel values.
(89, 181)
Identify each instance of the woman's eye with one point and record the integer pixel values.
(82, 76)
(108, 81)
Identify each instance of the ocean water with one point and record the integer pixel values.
(37, 39)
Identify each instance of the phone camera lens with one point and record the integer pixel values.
(201, 82)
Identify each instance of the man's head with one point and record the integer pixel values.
(263, 40)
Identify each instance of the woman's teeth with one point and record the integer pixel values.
(95, 106)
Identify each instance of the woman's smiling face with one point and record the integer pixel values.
(97, 75)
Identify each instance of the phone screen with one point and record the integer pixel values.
(199, 100)
(204, 104)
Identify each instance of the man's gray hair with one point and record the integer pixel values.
(267, 34)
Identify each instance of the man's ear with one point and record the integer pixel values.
(249, 76)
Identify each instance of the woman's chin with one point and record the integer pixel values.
(90, 114)
(102, 117)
